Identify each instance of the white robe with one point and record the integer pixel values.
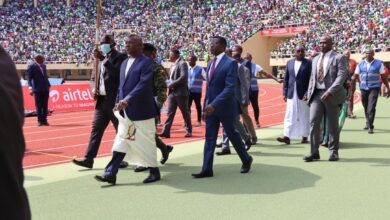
(296, 119)
(137, 140)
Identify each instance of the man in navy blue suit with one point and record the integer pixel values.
(296, 82)
(39, 87)
(221, 107)
(135, 104)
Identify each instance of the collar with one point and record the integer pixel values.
(219, 57)
(327, 53)
(365, 60)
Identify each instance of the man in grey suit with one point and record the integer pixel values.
(325, 95)
(178, 94)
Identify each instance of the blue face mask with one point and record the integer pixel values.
(105, 48)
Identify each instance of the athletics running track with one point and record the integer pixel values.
(68, 134)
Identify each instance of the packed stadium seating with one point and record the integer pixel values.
(67, 34)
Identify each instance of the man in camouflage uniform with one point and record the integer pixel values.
(160, 96)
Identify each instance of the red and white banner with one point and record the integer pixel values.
(283, 31)
(64, 98)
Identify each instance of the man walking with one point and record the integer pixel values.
(195, 83)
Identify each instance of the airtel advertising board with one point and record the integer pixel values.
(64, 98)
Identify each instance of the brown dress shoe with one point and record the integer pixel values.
(284, 139)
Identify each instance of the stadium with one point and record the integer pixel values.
(87, 73)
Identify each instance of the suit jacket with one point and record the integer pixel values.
(111, 74)
(243, 84)
(38, 81)
(137, 89)
(13, 202)
(301, 80)
(220, 89)
(179, 79)
(334, 80)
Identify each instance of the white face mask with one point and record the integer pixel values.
(105, 48)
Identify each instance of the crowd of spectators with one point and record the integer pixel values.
(67, 34)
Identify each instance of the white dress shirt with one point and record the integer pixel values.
(216, 60)
(297, 65)
(129, 64)
(102, 87)
(325, 64)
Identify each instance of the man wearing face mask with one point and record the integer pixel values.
(39, 87)
(105, 95)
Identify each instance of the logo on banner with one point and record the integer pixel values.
(54, 95)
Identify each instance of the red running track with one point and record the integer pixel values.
(68, 133)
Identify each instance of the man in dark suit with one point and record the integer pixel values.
(178, 94)
(296, 82)
(135, 104)
(105, 94)
(325, 95)
(221, 106)
(39, 87)
(13, 197)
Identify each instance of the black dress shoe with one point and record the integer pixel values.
(140, 169)
(123, 164)
(254, 141)
(311, 157)
(164, 135)
(371, 131)
(202, 174)
(83, 163)
(334, 157)
(165, 154)
(223, 152)
(189, 134)
(107, 179)
(284, 139)
(304, 140)
(218, 145)
(247, 166)
(248, 144)
(45, 123)
(152, 178)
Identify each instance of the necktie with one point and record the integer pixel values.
(41, 67)
(212, 70)
(320, 76)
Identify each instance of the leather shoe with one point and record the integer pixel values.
(254, 141)
(284, 139)
(218, 145)
(140, 169)
(248, 144)
(45, 123)
(123, 164)
(108, 179)
(223, 152)
(202, 174)
(152, 178)
(247, 166)
(164, 135)
(334, 157)
(189, 134)
(371, 131)
(83, 163)
(304, 140)
(165, 154)
(311, 157)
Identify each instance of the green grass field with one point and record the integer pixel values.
(279, 186)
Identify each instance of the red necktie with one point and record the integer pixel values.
(212, 70)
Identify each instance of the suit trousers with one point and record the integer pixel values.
(212, 128)
(41, 105)
(173, 103)
(247, 121)
(254, 98)
(196, 98)
(159, 143)
(103, 115)
(318, 109)
(241, 130)
(369, 100)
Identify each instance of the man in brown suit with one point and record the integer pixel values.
(13, 198)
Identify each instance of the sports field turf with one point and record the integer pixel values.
(279, 186)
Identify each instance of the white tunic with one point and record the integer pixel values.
(296, 119)
(137, 140)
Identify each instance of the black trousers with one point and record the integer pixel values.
(369, 100)
(103, 115)
(41, 102)
(196, 98)
(254, 98)
(173, 103)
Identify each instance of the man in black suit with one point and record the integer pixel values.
(105, 95)
(178, 94)
(39, 86)
(13, 198)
